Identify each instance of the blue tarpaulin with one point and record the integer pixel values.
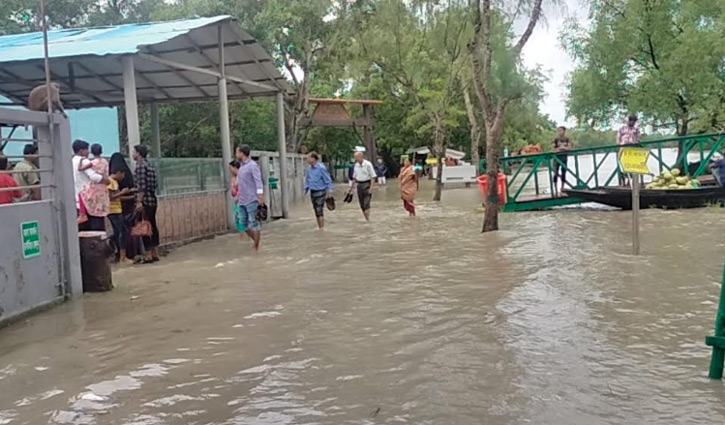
(101, 41)
(175, 61)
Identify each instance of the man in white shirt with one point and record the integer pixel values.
(364, 175)
(82, 176)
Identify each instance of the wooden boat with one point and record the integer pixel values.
(621, 197)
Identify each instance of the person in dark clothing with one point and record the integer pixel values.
(146, 202)
(128, 204)
(381, 171)
(561, 146)
(351, 173)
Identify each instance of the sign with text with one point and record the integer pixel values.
(634, 160)
(30, 239)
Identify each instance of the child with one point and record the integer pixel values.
(234, 170)
(115, 214)
(83, 165)
(94, 197)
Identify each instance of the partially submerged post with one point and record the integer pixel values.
(634, 162)
(282, 148)
(717, 341)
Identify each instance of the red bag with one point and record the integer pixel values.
(142, 228)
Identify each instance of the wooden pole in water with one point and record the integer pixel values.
(634, 178)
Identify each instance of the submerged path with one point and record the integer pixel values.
(398, 321)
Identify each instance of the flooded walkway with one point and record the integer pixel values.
(395, 322)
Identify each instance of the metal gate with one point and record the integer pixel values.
(39, 255)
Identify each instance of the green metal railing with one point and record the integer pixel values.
(188, 175)
(524, 170)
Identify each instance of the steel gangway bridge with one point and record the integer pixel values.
(530, 178)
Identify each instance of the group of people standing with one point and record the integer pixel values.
(362, 176)
(25, 178)
(108, 190)
(627, 135)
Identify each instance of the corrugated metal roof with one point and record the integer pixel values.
(99, 41)
(87, 63)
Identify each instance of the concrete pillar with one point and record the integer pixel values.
(129, 97)
(224, 130)
(155, 131)
(64, 199)
(282, 148)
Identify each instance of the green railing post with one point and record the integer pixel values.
(536, 178)
(596, 170)
(717, 342)
(551, 178)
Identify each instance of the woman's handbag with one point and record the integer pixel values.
(142, 228)
(330, 202)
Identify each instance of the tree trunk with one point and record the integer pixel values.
(682, 129)
(439, 179)
(493, 140)
(440, 151)
(475, 132)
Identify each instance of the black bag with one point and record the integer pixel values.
(330, 202)
(262, 213)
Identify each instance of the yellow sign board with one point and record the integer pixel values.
(634, 160)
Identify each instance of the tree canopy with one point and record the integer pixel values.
(661, 59)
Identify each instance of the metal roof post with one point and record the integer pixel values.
(155, 131)
(282, 148)
(224, 130)
(131, 104)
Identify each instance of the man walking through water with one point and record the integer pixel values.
(364, 176)
(250, 195)
(319, 183)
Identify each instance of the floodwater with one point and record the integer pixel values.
(400, 321)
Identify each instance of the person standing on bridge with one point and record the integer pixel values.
(628, 135)
(251, 194)
(364, 176)
(561, 147)
(319, 184)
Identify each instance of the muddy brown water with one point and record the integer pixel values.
(400, 321)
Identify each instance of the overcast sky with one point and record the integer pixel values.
(545, 49)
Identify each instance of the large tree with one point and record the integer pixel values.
(662, 59)
(499, 79)
(416, 48)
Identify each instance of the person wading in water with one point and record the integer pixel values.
(408, 182)
(251, 194)
(364, 175)
(319, 184)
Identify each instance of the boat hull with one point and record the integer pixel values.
(620, 197)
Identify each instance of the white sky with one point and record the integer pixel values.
(545, 49)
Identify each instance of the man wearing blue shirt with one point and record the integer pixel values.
(319, 184)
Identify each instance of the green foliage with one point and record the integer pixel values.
(410, 54)
(661, 59)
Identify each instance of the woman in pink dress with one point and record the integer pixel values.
(95, 195)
